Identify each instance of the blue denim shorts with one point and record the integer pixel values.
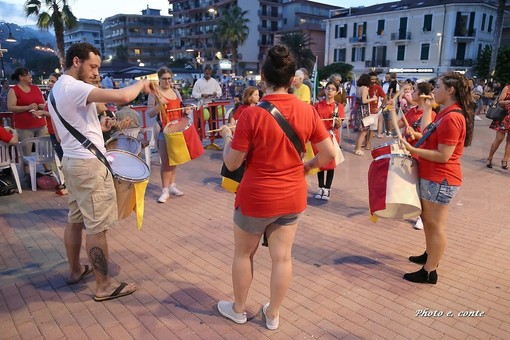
(258, 225)
(439, 193)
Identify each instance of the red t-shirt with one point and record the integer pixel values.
(5, 136)
(274, 180)
(451, 131)
(51, 131)
(325, 111)
(375, 90)
(240, 109)
(26, 120)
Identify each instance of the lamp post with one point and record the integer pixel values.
(10, 38)
(440, 45)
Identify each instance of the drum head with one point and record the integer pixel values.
(127, 166)
(178, 125)
(125, 143)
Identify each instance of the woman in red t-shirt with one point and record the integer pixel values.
(439, 166)
(250, 98)
(26, 100)
(165, 107)
(272, 193)
(332, 113)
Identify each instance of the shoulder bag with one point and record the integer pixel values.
(496, 112)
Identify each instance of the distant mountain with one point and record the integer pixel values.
(28, 32)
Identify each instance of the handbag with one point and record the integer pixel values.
(339, 156)
(495, 112)
(231, 179)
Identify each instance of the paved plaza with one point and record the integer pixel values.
(347, 280)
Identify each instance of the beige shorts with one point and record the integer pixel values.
(92, 199)
(30, 133)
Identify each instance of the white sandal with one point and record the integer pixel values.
(358, 153)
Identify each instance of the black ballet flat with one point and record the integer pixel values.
(422, 276)
(504, 165)
(489, 163)
(420, 259)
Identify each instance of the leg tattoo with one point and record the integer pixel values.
(98, 260)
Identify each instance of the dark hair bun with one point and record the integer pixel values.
(278, 55)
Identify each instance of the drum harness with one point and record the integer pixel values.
(431, 128)
(84, 141)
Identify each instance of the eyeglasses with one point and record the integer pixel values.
(330, 89)
(165, 79)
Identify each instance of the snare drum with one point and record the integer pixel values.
(393, 187)
(124, 143)
(128, 170)
(182, 141)
(392, 147)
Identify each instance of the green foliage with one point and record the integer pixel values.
(40, 63)
(482, 67)
(345, 70)
(298, 43)
(180, 62)
(121, 53)
(502, 72)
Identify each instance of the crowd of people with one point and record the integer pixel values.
(268, 143)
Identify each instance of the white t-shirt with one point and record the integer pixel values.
(203, 86)
(71, 99)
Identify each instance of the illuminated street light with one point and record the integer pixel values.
(10, 38)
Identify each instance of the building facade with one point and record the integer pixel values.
(419, 39)
(86, 30)
(145, 38)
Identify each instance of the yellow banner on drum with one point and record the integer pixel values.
(140, 188)
(309, 155)
(177, 149)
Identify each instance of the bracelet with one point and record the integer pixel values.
(231, 138)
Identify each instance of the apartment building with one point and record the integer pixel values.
(86, 30)
(419, 39)
(145, 38)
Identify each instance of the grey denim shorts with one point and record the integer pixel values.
(439, 193)
(257, 225)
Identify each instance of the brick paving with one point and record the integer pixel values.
(347, 280)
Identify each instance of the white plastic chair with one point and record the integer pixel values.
(44, 154)
(6, 161)
(143, 134)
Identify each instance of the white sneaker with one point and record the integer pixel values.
(271, 324)
(325, 195)
(319, 194)
(226, 308)
(477, 117)
(164, 196)
(419, 224)
(174, 191)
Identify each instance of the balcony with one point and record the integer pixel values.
(464, 35)
(358, 40)
(377, 63)
(400, 36)
(465, 62)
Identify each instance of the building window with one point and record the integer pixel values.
(425, 49)
(149, 31)
(340, 31)
(401, 52)
(358, 54)
(484, 18)
(380, 27)
(137, 51)
(340, 55)
(489, 27)
(427, 23)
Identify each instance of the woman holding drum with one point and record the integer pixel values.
(166, 106)
(331, 114)
(439, 166)
(272, 193)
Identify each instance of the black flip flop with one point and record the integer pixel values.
(117, 293)
(86, 272)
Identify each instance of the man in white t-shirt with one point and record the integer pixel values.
(207, 89)
(92, 199)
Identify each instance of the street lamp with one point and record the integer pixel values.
(440, 45)
(10, 38)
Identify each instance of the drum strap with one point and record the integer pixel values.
(431, 128)
(284, 124)
(84, 141)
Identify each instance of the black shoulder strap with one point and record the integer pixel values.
(431, 128)
(284, 124)
(84, 141)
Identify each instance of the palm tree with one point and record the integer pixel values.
(58, 15)
(497, 34)
(232, 28)
(298, 43)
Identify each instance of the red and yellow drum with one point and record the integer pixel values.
(182, 141)
(390, 148)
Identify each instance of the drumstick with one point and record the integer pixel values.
(216, 130)
(182, 108)
(407, 126)
(325, 119)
